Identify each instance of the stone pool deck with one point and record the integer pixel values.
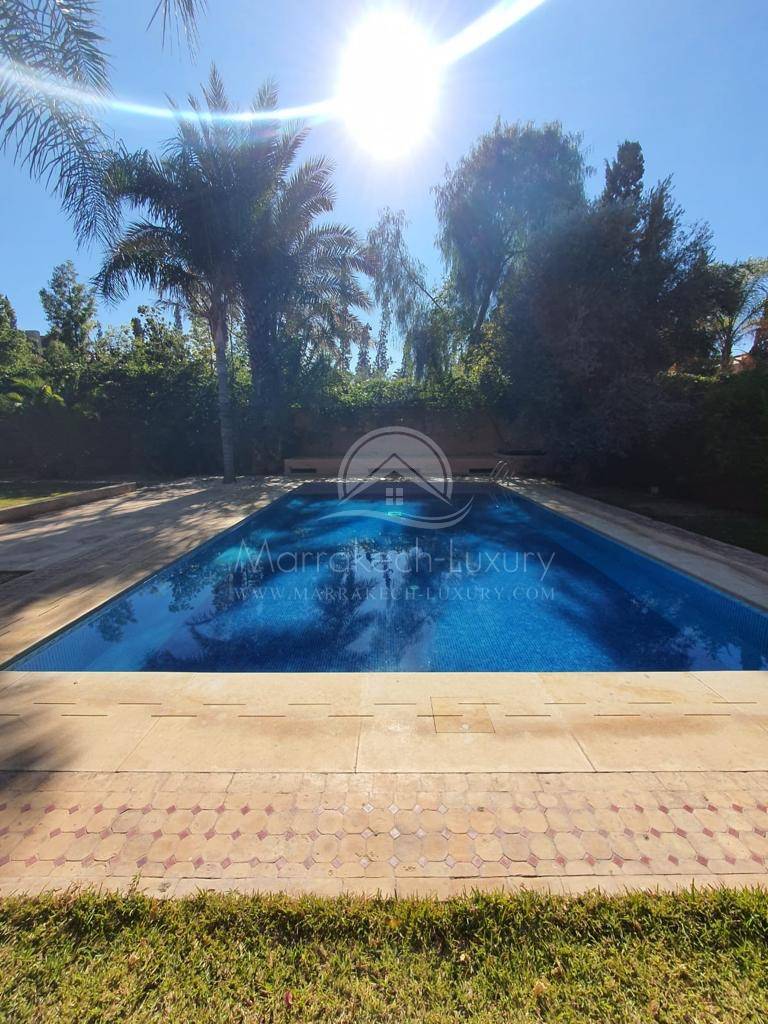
(400, 783)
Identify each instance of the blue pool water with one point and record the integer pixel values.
(512, 586)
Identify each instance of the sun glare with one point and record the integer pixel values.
(388, 84)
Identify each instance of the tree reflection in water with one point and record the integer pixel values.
(513, 587)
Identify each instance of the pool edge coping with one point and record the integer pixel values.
(700, 547)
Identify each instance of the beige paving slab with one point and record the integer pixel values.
(395, 744)
(738, 687)
(452, 715)
(627, 689)
(639, 721)
(117, 688)
(488, 687)
(247, 744)
(670, 743)
(281, 692)
(63, 739)
(738, 571)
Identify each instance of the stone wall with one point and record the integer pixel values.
(476, 433)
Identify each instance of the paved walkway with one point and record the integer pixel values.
(76, 559)
(385, 782)
(737, 571)
(365, 833)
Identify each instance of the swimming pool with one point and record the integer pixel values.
(312, 584)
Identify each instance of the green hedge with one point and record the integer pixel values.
(150, 424)
(458, 393)
(718, 449)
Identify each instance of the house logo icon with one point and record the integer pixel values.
(396, 456)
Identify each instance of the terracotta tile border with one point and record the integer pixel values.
(395, 834)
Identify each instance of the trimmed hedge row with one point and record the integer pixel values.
(717, 450)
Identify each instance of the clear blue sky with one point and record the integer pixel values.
(687, 78)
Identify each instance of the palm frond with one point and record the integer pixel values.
(284, 147)
(147, 255)
(180, 18)
(65, 149)
(266, 97)
(143, 180)
(306, 195)
(55, 139)
(334, 245)
(214, 92)
(55, 38)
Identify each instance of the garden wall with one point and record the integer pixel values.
(717, 450)
(61, 444)
(458, 433)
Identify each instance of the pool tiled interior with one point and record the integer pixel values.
(400, 783)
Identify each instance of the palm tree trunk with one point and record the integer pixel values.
(257, 419)
(218, 327)
(726, 352)
(265, 394)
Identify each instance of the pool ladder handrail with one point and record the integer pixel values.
(501, 471)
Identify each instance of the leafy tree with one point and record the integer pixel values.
(7, 315)
(399, 281)
(401, 290)
(516, 181)
(158, 390)
(12, 340)
(759, 348)
(624, 174)
(70, 307)
(436, 341)
(381, 360)
(160, 340)
(363, 368)
(21, 379)
(609, 298)
(743, 306)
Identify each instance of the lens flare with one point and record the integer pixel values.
(485, 28)
(18, 75)
(388, 88)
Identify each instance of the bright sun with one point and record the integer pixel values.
(388, 83)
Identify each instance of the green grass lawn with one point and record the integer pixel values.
(19, 492)
(743, 529)
(694, 957)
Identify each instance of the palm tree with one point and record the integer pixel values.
(51, 51)
(759, 348)
(232, 226)
(184, 249)
(743, 307)
(293, 270)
